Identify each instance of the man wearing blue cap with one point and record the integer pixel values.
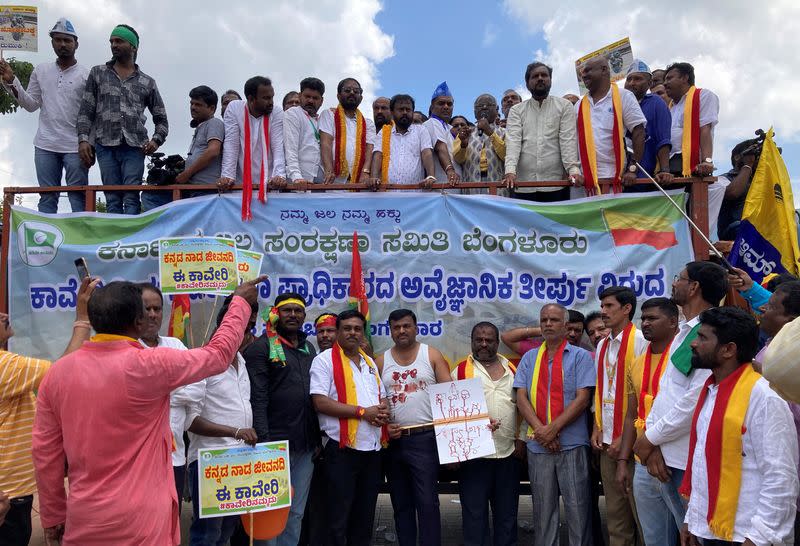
(113, 105)
(56, 89)
(657, 146)
(441, 111)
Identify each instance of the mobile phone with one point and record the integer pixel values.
(83, 269)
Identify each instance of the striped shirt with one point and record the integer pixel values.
(19, 377)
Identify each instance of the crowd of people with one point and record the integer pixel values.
(660, 125)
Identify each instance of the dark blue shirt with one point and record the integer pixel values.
(658, 131)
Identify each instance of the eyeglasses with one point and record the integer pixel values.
(351, 91)
(676, 278)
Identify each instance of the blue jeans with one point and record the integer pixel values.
(121, 165)
(659, 505)
(208, 531)
(153, 199)
(301, 464)
(48, 172)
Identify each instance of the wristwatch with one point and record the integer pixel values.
(631, 168)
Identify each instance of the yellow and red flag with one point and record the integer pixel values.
(358, 291)
(179, 318)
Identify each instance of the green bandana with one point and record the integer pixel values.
(276, 341)
(126, 34)
(682, 357)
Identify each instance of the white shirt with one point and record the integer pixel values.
(223, 399)
(609, 386)
(405, 155)
(177, 405)
(602, 113)
(541, 141)
(368, 438)
(440, 132)
(233, 151)
(327, 125)
(670, 418)
(58, 93)
(709, 114)
(301, 145)
(768, 493)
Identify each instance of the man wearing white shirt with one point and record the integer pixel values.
(742, 474)
(265, 144)
(301, 134)
(664, 445)
(438, 126)
(351, 422)
(408, 147)
(57, 89)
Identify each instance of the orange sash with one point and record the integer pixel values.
(587, 148)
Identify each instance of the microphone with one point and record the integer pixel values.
(483, 116)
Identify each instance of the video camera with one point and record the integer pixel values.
(752, 146)
(161, 171)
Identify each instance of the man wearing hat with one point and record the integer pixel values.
(659, 121)
(55, 88)
(438, 125)
(113, 105)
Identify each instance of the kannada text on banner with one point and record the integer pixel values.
(197, 265)
(18, 28)
(248, 265)
(620, 57)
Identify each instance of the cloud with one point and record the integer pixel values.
(489, 35)
(185, 44)
(742, 51)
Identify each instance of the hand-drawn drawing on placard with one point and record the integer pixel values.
(461, 421)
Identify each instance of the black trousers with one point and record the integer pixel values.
(16, 531)
(352, 493)
(485, 482)
(315, 518)
(544, 196)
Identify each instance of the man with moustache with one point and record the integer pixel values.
(290, 100)
(229, 96)
(325, 326)
(55, 88)
(595, 328)
(540, 140)
(658, 78)
(510, 98)
(403, 152)
(482, 155)
(301, 134)
(279, 367)
(438, 126)
(381, 113)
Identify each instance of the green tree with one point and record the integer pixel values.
(100, 205)
(22, 70)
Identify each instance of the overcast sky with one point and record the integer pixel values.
(743, 51)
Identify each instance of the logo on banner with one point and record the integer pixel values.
(38, 242)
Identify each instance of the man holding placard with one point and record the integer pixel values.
(554, 385)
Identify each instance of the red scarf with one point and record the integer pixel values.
(548, 408)
(586, 145)
(624, 357)
(466, 368)
(247, 175)
(690, 141)
(340, 145)
(650, 385)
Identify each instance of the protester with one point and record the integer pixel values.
(540, 140)
(661, 91)
(482, 156)
(742, 475)
(301, 134)
(325, 326)
(407, 369)
(615, 355)
(381, 113)
(229, 96)
(659, 324)
(664, 445)
(351, 420)
(605, 113)
(438, 126)
(657, 131)
(55, 88)
(458, 123)
(510, 98)
(571, 98)
(20, 378)
(524, 339)
(419, 117)
(347, 137)
(658, 78)
(403, 152)
(553, 389)
(121, 491)
(492, 480)
(279, 365)
(743, 162)
(290, 100)
(112, 113)
(595, 328)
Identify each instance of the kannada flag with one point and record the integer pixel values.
(179, 318)
(767, 241)
(358, 291)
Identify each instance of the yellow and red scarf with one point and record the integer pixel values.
(650, 384)
(340, 166)
(587, 148)
(247, 174)
(346, 394)
(386, 149)
(690, 141)
(624, 359)
(547, 407)
(723, 448)
(466, 368)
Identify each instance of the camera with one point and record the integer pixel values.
(161, 171)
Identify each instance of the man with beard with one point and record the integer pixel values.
(741, 480)
(438, 126)
(510, 98)
(605, 114)
(381, 113)
(403, 150)
(482, 157)
(279, 366)
(540, 140)
(347, 137)
(301, 134)
(112, 113)
(664, 445)
(413, 463)
(56, 88)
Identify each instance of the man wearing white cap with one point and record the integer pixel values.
(56, 88)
